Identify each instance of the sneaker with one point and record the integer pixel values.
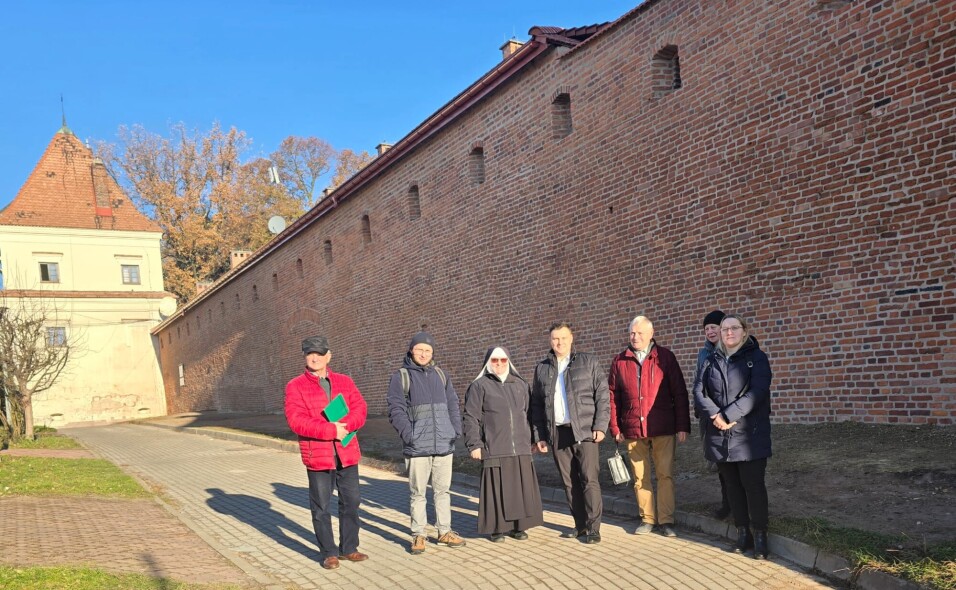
(451, 539)
(497, 537)
(418, 545)
(668, 530)
(593, 538)
(519, 535)
(644, 529)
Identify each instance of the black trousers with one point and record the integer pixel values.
(346, 479)
(579, 465)
(747, 492)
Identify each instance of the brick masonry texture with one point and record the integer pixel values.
(802, 176)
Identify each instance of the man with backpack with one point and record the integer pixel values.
(423, 408)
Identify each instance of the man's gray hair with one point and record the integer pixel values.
(640, 319)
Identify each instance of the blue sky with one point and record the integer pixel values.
(353, 73)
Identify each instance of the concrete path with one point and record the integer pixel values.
(250, 503)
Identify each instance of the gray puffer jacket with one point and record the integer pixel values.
(589, 401)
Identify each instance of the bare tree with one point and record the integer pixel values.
(35, 349)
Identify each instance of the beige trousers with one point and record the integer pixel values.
(660, 450)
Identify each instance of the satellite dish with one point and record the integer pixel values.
(276, 224)
(167, 306)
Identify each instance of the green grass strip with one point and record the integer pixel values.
(933, 566)
(77, 578)
(41, 476)
(46, 441)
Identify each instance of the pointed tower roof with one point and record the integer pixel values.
(70, 188)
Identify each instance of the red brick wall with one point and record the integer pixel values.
(802, 176)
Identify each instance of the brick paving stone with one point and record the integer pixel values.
(120, 536)
(250, 503)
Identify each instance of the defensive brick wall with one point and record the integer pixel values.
(802, 175)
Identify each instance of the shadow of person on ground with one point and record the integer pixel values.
(259, 514)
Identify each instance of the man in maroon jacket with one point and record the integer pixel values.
(649, 409)
(328, 462)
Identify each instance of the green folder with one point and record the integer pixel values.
(335, 411)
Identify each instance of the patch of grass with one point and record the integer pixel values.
(934, 566)
(46, 441)
(77, 578)
(41, 476)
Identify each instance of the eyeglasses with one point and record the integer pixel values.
(730, 329)
(499, 360)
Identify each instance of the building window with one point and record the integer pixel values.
(238, 302)
(130, 274)
(275, 281)
(56, 337)
(198, 322)
(182, 374)
(255, 293)
(665, 71)
(222, 308)
(187, 328)
(476, 165)
(561, 115)
(366, 229)
(414, 203)
(327, 248)
(298, 268)
(50, 272)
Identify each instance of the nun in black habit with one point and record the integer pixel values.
(498, 433)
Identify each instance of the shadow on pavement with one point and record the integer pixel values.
(259, 513)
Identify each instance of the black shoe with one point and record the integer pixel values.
(593, 537)
(575, 534)
(722, 512)
(498, 538)
(519, 535)
(744, 540)
(760, 545)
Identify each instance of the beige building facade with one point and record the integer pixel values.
(73, 245)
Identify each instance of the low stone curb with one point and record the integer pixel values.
(806, 556)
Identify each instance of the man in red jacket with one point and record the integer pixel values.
(327, 460)
(649, 409)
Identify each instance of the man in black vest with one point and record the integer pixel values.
(570, 410)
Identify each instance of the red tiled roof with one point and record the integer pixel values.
(62, 192)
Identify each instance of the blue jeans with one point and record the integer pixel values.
(346, 479)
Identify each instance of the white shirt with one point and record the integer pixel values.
(561, 412)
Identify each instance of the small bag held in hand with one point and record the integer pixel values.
(618, 466)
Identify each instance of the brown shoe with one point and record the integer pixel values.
(331, 563)
(354, 556)
(418, 545)
(451, 539)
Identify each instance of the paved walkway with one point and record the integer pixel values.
(121, 536)
(249, 503)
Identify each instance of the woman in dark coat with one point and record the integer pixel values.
(498, 433)
(732, 391)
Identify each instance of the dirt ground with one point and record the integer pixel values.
(894, 480)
